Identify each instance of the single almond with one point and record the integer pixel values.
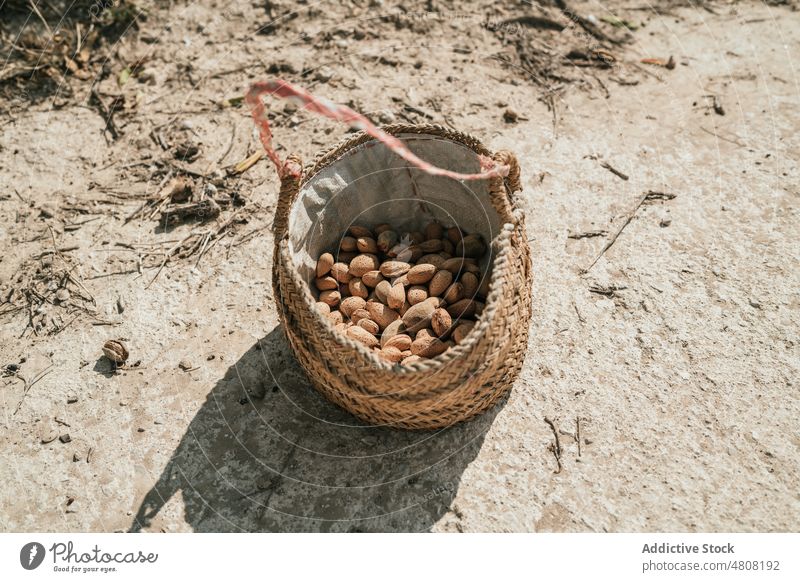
(362, 264)
(439, 283)
(357, 288)
(348, 244)
(386, 240)
(381, 228)
(454, 292)
(336, 317)
(454, 265)
(369, 325)
(460, 332)
(394, 328)
(358, 315)
(419, 316)
(434, 259)
(401, 252)
(391, 354)
(323, 308)
(428, 347)
(471, 246)
(393, 269)
(362, 335)
(420, 274)
(454, 235)
(382, 291)
(326, 283)
(341, 272)
(430, 246)
(397, 296)
(435, 301)
(441, 322)
(470, 283)
(381, 314)
(367, 244)
(372, 278)
(359, 231)
(472, 268)
(434, 230)
(350, 304)
(324, 264)
(425, 332)
(401, 341)
(417, 294)
(332, 298)
(462, 309)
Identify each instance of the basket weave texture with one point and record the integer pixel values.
(430, 394)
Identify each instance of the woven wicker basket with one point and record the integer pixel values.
(467, 379)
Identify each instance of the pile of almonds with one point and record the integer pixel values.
(408, 296)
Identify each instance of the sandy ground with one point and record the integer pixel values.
(677, 353)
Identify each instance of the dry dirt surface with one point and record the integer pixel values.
(659, 145)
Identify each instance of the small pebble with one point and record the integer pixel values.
(510, 116)
(65, 438)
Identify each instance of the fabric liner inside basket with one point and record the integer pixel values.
(371, 184)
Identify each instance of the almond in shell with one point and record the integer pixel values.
(369, 325)
(401, 341)
(460, 332)
(381, 314)
(362, 335)
(420, 274)
(367, 244)
(350, 304)
(428, 347)
(393, 269)
(372, 278)
(326, 283)
(396, 297)
(439, 283)
(357, 288)
(324, 264)
(348, 244)
(332, 298)
(441, 322)
(417, 294)
(363, 263)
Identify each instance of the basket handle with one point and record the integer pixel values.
(279, 88)
(512, 180)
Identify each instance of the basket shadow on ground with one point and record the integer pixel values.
(267, 453)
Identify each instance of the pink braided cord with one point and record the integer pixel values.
(322, 106)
